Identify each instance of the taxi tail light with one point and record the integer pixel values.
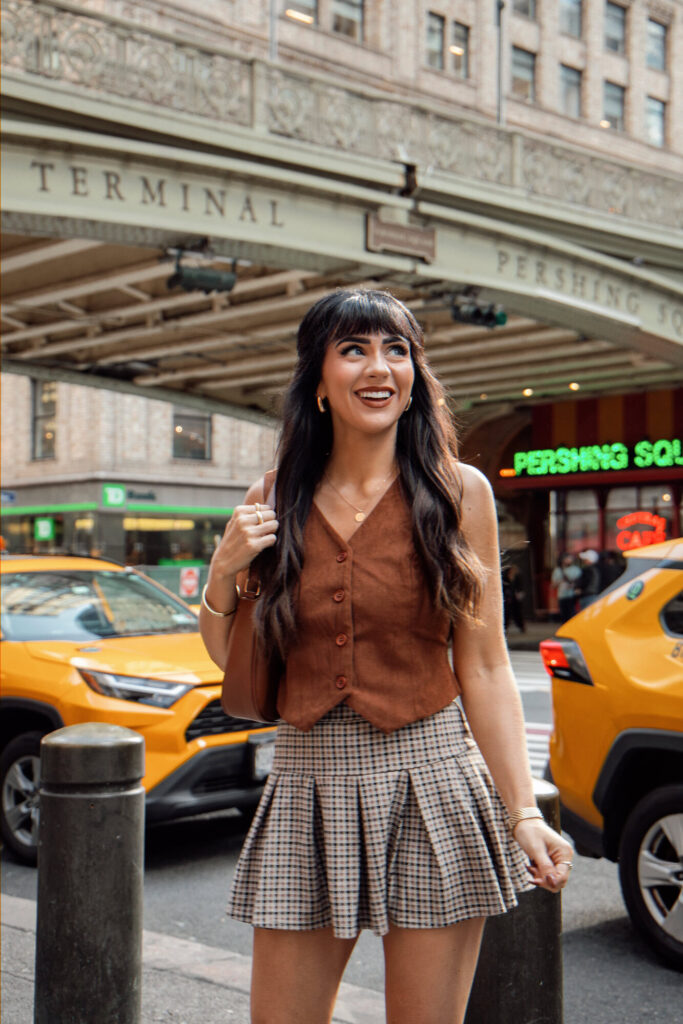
(563, 659)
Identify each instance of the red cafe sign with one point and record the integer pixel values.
(628, 538)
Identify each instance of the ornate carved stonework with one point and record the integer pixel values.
(98, 53)
(113, 57)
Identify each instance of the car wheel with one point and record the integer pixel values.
(19, 781)
(651, 871)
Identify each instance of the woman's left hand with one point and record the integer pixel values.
(550, 855)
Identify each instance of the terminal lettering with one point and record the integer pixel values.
(147, 190)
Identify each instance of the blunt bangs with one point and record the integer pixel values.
(372, 312)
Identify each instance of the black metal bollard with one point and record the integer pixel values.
(90, 874)
(519, 975)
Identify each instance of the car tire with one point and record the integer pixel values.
(651, 871)
(19, 782)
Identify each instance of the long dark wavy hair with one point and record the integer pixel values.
(426, 450)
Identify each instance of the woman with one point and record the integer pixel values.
(565, 578)
(380, 812)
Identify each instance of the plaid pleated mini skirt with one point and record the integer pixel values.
(360, 829)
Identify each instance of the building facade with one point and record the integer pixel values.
(524, 157)
(93, 472)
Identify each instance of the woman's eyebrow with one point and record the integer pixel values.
(388, 339)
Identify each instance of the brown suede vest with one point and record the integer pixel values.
(368, 631)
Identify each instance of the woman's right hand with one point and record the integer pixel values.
(250, 529)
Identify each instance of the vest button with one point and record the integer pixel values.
(340, 682)
(342, 556)
(338, 596)
(341, 639)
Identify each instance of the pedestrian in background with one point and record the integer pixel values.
(513, 598)
(380, 811)
(588, 585)
(612, 564)
(565, 577)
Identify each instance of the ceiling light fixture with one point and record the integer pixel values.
(307, 19)
(201, 279)
(528, 392)
(482, 316)
(574, 386)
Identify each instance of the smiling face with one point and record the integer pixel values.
(367, 380)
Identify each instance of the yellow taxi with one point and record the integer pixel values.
(616, 751)
(86, 640)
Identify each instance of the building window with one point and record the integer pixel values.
(613, 113)
(191, 434)
(460, 49)
(304, 11)
(436, 26)
(44, 416)
(656, 45)
(615, 28)
(347, 18)
(570, 17)
(523, 74)
(570, 91)
(655, 114)
(525, 7)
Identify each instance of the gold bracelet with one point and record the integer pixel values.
(521, 815)
(219, 615)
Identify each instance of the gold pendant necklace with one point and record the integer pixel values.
(361, 514)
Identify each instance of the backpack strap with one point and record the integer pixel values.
(269, 487)
(249, 585)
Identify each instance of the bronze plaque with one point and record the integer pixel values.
(406, 239)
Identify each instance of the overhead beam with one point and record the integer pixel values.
(245, 314)
(599, 383)
(36, 254)
(179, 398)
(528, 373)
(50, 296)
(224, 371)
(250, 287)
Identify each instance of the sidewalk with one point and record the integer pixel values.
(183, 982)
(530, 639)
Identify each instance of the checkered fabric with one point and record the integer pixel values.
(362, 829)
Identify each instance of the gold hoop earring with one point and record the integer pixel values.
(410, 402)
(321, 403)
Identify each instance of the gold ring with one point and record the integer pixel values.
(259, 516)
(567, 863)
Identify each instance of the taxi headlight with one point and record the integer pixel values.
(156, 692)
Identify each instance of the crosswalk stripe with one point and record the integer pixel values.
(537, 739)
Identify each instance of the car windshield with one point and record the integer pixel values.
(77, 606)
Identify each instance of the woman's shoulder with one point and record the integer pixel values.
(476, 488)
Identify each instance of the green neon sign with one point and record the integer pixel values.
(598, 458)
(44, 528)
(113, 495)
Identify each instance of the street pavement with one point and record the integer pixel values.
(204, 977)
(184, 982)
